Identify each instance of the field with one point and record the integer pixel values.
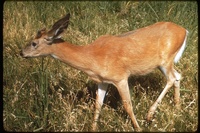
(44, 94)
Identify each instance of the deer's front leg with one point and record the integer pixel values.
(123, 90)
(102, 88)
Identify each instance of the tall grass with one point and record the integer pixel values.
(44, 94)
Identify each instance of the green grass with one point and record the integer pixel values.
(43, 94)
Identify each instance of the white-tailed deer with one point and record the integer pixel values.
(112, 59)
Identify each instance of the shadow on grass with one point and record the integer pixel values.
(148, 84)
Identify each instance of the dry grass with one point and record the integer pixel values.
(44, 94)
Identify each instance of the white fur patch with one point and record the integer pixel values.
(54, 56)
(178, 76)
(163, 70)
(101, 92)
(180, 52)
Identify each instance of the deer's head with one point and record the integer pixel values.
(41, 44)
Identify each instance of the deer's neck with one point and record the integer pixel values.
(73, 55)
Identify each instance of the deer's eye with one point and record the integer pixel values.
(33, 44)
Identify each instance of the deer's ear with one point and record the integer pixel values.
(40, 33)
(58, 27)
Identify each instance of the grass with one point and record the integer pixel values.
(43, 94)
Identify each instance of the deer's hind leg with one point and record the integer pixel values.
(173, 78)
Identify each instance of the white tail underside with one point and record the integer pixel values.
(180, 52)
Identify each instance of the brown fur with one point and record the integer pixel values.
(112, 59)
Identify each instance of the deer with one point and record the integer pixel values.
(112, 59)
